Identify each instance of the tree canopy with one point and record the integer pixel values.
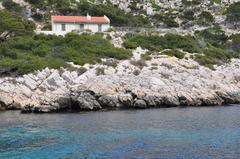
(12, 25)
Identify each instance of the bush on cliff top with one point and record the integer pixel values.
(233, 15)
(13, 25)
(29, 53)
(159, 43)
(235, 45)
(175, 52)
(215, 36)
(212, 45)
(11, 6)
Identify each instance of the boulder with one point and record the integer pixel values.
(109, 101)
(125, 99)
(85, 101)
(153, 101)
(26, 91)
(66, 75)
(140, 104)
(54, 81)
(170, 101)
(5, 101)
(63, 103)
(29, 82)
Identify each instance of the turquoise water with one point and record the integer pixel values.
(171, 133)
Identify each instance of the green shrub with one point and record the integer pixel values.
(38, 17)
(28, 53)
(170, 22)
(146, 56)
(157, 43)
(217, 53)
(118, 17)
(233, 15)
(188, 15)
(13, 25)
(11, 6)
(206, 61)
(192, 2)
(37, 3)
(205, 18)
(175, 52)
(235, 45)
(215, 36)
(130, 45)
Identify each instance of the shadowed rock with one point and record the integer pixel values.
(50, 91)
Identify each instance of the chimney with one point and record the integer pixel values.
(88, 17)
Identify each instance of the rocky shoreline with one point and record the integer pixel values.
(137, 84)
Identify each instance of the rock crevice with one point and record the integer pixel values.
(53, 91)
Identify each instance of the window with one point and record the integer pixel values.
(63, 27)
(81, 27)
(99, 27)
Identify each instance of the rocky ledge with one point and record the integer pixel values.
(160, 82)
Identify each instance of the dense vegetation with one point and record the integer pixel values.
(12, 6)
(233, 15)
(12, 25)
(158, 43)
(28, 53)
(209, 47)
(63, 7)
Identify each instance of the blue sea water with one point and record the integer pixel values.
(168, 133)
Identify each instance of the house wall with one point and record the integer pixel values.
(57, 27)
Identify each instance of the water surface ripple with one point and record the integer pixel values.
(171, 133)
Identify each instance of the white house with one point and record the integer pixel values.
(65, 24)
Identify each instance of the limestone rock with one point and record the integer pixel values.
(5, 100)
(86, 101)
(173, 82)
(109, 101)
(29, 82)
(125, 99)
(140, 104)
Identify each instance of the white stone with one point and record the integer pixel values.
(29, 82)
(25, 91)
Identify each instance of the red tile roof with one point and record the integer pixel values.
(80, 19)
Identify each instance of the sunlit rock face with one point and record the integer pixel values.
(161, 82)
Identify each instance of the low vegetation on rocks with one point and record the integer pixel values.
(159, 43)
(208, 47)
(175, 52)
(13, 25)
(233, 15)
(29, 53)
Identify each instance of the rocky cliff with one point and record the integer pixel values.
(182, 14)
(160, 82)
